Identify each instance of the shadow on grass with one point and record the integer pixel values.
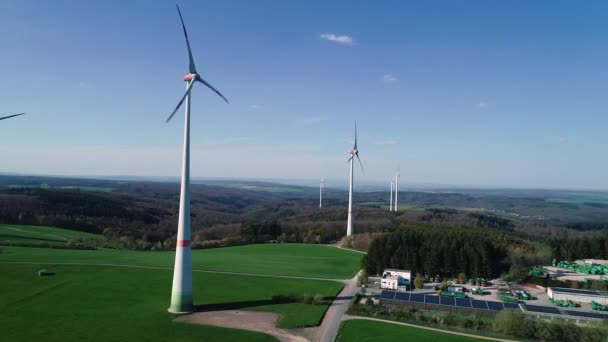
(253, 303)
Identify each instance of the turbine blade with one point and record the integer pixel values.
(349, 159)
(191, 67)
(355, 135)
(200, 79)
(179, 104)
(360, 163)
(10, 116)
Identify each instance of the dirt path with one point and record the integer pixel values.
(487, 338)
(328, 330)
(264, 322)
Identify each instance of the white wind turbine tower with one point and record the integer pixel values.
(354, 152)
(390, 206)
(181, 292)
(397, 176)
(10, 116)
(321, 190)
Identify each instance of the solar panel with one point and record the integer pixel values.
(587, 314)
(463, 302)
(495, 306)
(416, 297)
(576, 291)
(543, 309)
(387, 295)
(403, 296)
(429, 299)
(479, 304)
(511, 305)
(447, 301)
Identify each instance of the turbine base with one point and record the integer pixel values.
(181, 305)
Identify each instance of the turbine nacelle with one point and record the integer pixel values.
(353, 152)
(190, 77)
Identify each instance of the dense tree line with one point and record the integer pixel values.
(584, 226)
(580, 248)
(446, 251)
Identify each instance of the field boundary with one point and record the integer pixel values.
(344, 281)
(479, 337)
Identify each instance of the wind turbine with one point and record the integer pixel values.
(181, 292)
(321, 190)
(390, 207)
(397, 176)
(354, 152)
(10, 116)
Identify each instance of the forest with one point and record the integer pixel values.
(440, 250)
(429, 237)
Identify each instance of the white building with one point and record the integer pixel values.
(396, 280)
(390, 282)
(577, 295)
(402, 273)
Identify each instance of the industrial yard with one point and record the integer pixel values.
(480, 297)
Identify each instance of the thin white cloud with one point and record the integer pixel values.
(313, 120)
(482, 104)
(84, 84)
(254, 106)
(563, 139)
(343, 39)
(387, 142)
(389, 78)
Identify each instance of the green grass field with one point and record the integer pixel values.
(106, 303)
(100, 304)
(10, 233)
(276, 259)
(364, 330)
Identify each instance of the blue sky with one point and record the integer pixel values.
(456, 92)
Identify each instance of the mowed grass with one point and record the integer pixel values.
(98, 303)
(11, 233)
(274, 259)
(365, 330)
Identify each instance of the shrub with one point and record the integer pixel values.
(419, 281)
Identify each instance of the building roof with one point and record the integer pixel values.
(396, 270)
(579, 291)
(392, 277)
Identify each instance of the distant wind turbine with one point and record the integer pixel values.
(397, 176)
(10, 116)
(390, 207)
(181, 292)
(353, 153)
(321, 190)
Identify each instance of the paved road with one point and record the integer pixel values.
(487, 338)
(331, 322)
(169, 268)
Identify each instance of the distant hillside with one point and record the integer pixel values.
(144, 214)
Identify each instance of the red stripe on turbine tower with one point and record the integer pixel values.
(184, 243)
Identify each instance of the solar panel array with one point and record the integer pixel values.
(576, 291)
(464, 303)
(467, 303)
(542, 309)
(587, 314)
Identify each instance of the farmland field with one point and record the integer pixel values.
(96, 303)
(276, 259)
(10, 233)
(364, 330)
